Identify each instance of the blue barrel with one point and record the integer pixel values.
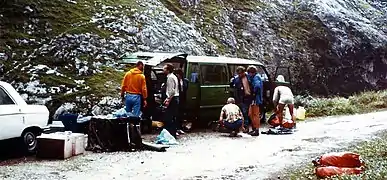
(69, 121)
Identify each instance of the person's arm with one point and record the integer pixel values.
(221, 115)
(275, 96)
(232, 82)
(171, 85)
(144, 90)
(124, 86)
(243, 118)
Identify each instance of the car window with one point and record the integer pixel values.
(261, 72)
(4, 98)
(153, 76)
(193, 71)
(214, 74)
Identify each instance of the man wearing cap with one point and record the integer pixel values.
(134, 90)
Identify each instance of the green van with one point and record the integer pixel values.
(209, 82)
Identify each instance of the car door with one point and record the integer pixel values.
(214, 88)
(11, 117)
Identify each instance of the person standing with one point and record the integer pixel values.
(134, 90)
(257, 95)
(183, 87)
(283, 96)
(172, 100)
(243, 94)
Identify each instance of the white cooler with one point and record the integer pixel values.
(78, 143)
(54, 146)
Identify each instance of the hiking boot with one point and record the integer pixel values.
(254, 133)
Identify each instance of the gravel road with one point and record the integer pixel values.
(209, 155)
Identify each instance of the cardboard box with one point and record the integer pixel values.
(54, 146)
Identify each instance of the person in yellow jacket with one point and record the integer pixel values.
(133, 89)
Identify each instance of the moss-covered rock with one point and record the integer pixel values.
(329, 53)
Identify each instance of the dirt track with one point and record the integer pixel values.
(211, 155)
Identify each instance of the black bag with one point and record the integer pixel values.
(109, 135)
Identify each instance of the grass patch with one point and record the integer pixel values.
(359, 103)
(105, 83)
(373, 152)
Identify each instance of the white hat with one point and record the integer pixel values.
(280, 79)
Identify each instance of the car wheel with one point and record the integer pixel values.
(30, 141)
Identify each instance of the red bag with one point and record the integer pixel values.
(324, 172)
(288, 123)
(343, 159)
(274, 120)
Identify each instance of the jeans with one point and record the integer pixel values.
(170, 117)
(133, 104)
(233, 126)
(245, 111)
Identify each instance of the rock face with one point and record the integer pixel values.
(67, 50)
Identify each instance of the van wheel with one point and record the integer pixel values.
(30, 141)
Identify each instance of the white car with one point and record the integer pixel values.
(20, 120)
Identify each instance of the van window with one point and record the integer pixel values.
(4, 98)
(193, 71)
(214, 74)
(261, 72)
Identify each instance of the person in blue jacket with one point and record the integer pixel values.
(257, 93)
(243, 93)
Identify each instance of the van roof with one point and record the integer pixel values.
(156, 58)
(222, 60)
(150, 58)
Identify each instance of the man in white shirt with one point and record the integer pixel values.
(172, 100)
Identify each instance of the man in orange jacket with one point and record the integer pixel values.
(133, 89)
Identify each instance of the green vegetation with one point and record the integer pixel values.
(358, 103)
(374, 154)
(105, 83)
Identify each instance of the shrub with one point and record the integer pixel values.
(358, 103)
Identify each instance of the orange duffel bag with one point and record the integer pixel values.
(343, 159)
(329, 171)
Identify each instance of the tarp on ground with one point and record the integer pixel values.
(109, 135)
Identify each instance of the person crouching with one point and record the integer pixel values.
(232, 118)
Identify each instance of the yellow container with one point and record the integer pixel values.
(300, 113)
(157, 124)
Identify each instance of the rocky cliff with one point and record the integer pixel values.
(60, 50)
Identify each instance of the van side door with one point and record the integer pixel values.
(11, 116)
(214, 86)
